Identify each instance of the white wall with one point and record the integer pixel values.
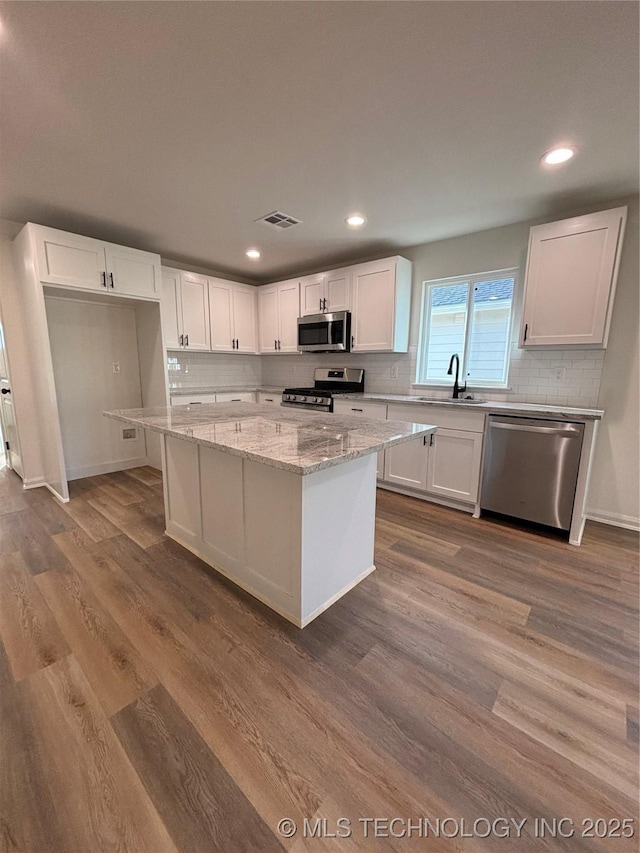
(615, 493)
(87, 338)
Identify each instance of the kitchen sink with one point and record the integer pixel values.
(449, 400)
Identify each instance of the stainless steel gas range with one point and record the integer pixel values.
(329, 382)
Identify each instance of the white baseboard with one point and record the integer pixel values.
(106, 468)
(616, 519)
(33, 483)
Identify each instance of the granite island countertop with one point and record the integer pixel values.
(299, 441)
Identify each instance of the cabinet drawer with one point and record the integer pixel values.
(363, 408)
(271, 399)
(189, 401)
(441, 416)
(236, 397)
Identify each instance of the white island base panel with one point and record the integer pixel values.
(297, 543)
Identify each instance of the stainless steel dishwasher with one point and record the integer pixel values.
(530, 468)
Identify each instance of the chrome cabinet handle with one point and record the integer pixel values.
(103, 278)
(356, 410)
(186, 340)
(320, 306)
(353, 341)
(111, 279)
(279, 346)
(275, 344)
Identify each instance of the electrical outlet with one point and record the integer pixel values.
(116, 366)
(129, 433)
(393, 371)
(558, 373)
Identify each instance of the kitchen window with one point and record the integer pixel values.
(471, 316)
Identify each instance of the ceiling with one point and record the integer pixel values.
(172, 126)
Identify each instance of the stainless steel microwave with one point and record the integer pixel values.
(325, 332)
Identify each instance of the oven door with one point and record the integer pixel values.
(325, 332)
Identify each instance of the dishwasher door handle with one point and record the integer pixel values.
(569, 432)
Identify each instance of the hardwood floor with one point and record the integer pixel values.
(482, 672)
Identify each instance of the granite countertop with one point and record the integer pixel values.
(492, 406)
(297, 441)
(223, 389)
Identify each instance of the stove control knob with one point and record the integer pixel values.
(303, 399)
(317, 399)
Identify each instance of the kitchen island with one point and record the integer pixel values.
(280, 501)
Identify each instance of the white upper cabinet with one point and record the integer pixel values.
(194, 292)
(381, 304)
(325, 292)
(232, 317)
(269, 323)
(171, 308)
(278, 312)
(185, 310)
(245, 318)
(133, 272)
(312, 295)
(71, 260)
(572, 271)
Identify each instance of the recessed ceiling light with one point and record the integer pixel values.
(254, 254)
(355, 220)
(557, 156)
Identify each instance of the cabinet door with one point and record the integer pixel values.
(171, 308)
(221, 315)
(364, 409)
(132, 272)
(69, 259)
(288, 313)
(454, 464)
(268, 319)
(312, 295)
(244, 319)
(570, 281)
(338, 290)
(405, 465)
(195, 311)
(373, 320)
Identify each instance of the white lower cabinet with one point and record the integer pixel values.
(220, 397)
(406, 465)
(447, 464)
(454, 464)
(365, 409)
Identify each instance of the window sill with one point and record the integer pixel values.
(448, 386)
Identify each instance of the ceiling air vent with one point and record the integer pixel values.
(278, 219)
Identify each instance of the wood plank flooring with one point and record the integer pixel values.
(149, 706)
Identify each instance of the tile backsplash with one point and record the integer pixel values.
(201, 369)
(554, 376)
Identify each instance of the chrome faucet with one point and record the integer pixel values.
(456, 388)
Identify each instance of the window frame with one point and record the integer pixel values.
(425, 327)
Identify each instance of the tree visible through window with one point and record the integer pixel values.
(470, 316)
